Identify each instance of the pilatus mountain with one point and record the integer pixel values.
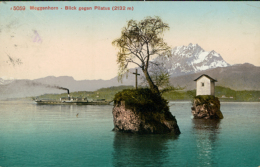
(190, 59)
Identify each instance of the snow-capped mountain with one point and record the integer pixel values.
(190, 59)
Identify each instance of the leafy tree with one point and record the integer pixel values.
(161, 78)
(159, 75)
(138, 42)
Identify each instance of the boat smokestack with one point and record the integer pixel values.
(68, 94)
(64, 89)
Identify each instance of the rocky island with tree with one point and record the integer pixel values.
(142, 110)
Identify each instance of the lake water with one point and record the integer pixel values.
(52, 135)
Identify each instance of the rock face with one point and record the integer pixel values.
(136, 120)
(206, 107)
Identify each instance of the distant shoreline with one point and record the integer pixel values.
(224, 94)
(28, 99)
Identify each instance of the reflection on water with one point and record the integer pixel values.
(211, 127)
(206, 134)
(52, 135)
(141, 150)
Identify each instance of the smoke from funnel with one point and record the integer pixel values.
(47, 86)
(63, 89)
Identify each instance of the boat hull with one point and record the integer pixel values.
(74, 102)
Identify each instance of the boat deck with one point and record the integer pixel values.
(74, 102)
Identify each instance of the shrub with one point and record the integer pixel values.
(142, 100)
(208, 100)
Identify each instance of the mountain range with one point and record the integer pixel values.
(237, 77)
(190, 59)
(184, 65)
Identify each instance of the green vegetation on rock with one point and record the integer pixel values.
(206, 106)
(142, 99)
(208, 100)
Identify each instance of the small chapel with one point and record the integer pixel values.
(205, 85)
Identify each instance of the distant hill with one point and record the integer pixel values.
(237, 77)
(185, 64)
(50, 84)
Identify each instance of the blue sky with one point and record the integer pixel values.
(78, 43)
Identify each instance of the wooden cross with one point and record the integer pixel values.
(136, 73)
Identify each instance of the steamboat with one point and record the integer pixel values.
(73, 100)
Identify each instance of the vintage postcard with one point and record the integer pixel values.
(181, 77)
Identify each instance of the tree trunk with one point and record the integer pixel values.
(152, 86)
